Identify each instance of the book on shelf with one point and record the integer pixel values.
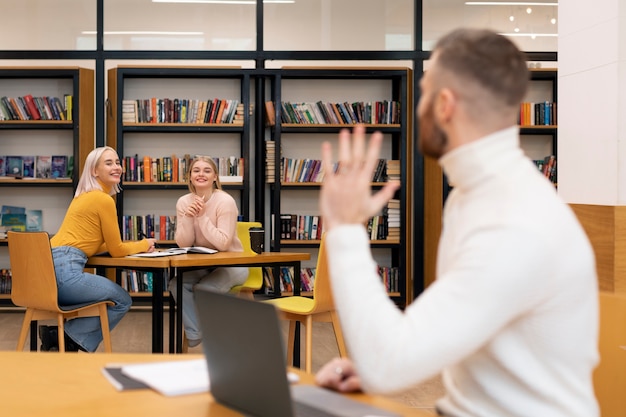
(3, 165)
(6, 209)
(68, 103)
(58, 166)
(28, 162)
(175, 251)
(43, 166)
(14, 221)
(31, 108)
(14, 166)
(34, 220)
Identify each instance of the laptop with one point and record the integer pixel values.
(245, 353)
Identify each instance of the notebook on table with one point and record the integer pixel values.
(245, 353)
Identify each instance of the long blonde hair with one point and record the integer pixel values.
(217, 185)
(88, 181)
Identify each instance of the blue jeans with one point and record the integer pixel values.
(217, 280)
(78, 287)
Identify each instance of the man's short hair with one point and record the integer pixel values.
(487, 59)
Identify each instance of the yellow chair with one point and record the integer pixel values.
(255, 276)
(307, 310)
(34, 286)
(609, 378)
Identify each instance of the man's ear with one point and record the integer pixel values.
(445, 105)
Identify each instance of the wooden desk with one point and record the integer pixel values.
(72, 385)
(159, 266)
(190, 262)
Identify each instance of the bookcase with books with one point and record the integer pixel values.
(158, 118)
(538, 121)
(309, 105)
(46, 131)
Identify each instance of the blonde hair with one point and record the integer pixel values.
(217, 185)
(88, 181)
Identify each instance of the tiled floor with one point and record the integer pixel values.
(134, 331)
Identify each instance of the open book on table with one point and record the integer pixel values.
(174, 251)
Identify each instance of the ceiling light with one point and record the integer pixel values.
(143, 32)
(532, 35)
(511, 18)
(223, 1)
(529, 10)
(553, 21)
(507, 3)
(516, 30)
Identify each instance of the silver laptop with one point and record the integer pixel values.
(245, 353)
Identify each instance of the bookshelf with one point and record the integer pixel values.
(537, 141)
(301, 141)
(538, 137)
(167, 133)
(72, 137)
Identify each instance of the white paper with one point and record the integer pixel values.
(172, 378)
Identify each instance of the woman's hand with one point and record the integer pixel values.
(195, 207)
(152, 243)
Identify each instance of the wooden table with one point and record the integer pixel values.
(182, 263)
(159, 267)
(72, 385)
(190, 262)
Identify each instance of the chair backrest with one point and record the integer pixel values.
(255, 276)
(609, 377)
(322, 292)
(33, 278)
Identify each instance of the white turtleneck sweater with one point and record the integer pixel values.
(512, 318)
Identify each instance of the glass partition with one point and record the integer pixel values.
(48, 25)
(180, 25)
(533, 26)
(331, 25)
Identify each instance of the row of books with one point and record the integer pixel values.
(5, 281)
(390, 278)
(547, 166)
(161, 227)
(310, 227)
(377, 112)
(300, 227)
(37, 166)
(285, 281)
(20, 219)
(135, 281)
(537, 114)
(392, 211)
(310, 170)
(174, 169)
(35, 108)
(166, 110)
(270, 161)
(377, 227)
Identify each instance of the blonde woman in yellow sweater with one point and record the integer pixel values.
(90, 226)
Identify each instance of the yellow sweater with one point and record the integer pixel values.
(90, 225)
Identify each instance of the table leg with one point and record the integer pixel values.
(179, 310)
(157, 312)
(296, 291)
(172, 318)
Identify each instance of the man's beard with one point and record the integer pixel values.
(432, 140)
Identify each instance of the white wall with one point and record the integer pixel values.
(591, 93)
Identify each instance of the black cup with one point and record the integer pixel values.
(257, 239)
